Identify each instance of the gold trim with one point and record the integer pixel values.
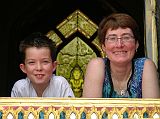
(77, 106)
(111, 102)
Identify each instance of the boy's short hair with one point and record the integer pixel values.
(37, 40)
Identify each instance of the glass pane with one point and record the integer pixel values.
(72, 116)
(125, 115)
(145, 115)
(94, 116)
(156, 116)
(115, 116)
(62, 115)
(10, 116)
(30, 116)
(135, 116)
(51, 116)
(105, 115)
(83, 115)
(1, 115)
(20, 115)
(41, 115)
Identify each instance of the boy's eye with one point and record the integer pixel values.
(30, 62)
(46, 61)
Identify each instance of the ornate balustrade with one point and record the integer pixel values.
(78, 108)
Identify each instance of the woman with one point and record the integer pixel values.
(120, 74)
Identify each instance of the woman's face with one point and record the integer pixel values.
(120, 45)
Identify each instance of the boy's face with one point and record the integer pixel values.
(38, 65)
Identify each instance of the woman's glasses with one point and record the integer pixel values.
(124, 38)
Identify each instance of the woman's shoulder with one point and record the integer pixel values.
(149, 63)
(144, 61)
(95, 68)
(96, 61)
(140, 61)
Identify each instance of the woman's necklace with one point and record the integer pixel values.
(124, 92)
(121, 91)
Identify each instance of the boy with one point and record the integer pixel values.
(38, 54)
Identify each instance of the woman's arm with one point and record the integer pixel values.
(150, 82)
(94, 77)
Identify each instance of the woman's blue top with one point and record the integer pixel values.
(135, 83)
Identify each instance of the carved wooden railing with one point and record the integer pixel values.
(78, 108)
